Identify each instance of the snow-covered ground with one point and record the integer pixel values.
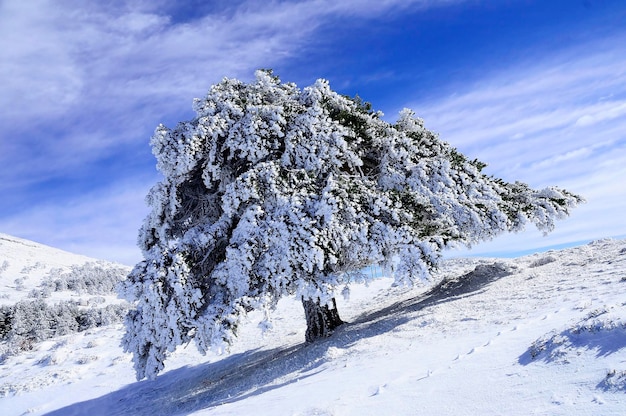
(539, 335)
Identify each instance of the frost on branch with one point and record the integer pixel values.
(272, 190)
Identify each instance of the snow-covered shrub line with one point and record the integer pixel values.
(94, 278)
(28, 322)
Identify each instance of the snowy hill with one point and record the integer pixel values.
(539, 335)
(25, 265)
(46, 293)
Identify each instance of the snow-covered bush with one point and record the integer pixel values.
(6, 314)
(272, 190)
(601, 329)
(19, 283)
(42, 292)
(542, 261)
(30, 268)
(614, 381)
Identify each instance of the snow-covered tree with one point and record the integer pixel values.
(272, 190)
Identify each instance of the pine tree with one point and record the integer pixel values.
(272, 190)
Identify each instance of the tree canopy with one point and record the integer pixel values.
(272, 190)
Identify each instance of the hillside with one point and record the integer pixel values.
(45, 294)
(543, 334)
(25, 265)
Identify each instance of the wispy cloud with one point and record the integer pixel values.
(603, 111)
(102, 224)
(556, 120)
(87, 82)
(85, 78)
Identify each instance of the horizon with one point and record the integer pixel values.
(535, 90)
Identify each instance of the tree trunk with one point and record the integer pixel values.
(321, 320)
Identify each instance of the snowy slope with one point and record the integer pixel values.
(538, 335)
(23, 264)
(55, 287)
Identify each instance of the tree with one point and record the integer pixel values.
(272, 191)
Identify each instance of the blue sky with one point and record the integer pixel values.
(536, 89)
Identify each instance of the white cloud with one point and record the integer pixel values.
(82, 79)
(102, 224)
(555, 121)
(604, 111)
(87, 81)
(57, 51)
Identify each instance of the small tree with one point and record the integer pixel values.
(271, 191)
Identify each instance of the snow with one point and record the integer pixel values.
(28, 262)
(543, 334)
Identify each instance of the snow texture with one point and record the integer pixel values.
(489, 337)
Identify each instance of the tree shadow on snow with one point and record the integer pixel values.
(237, 377)
(192, 388)
(448, 290)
